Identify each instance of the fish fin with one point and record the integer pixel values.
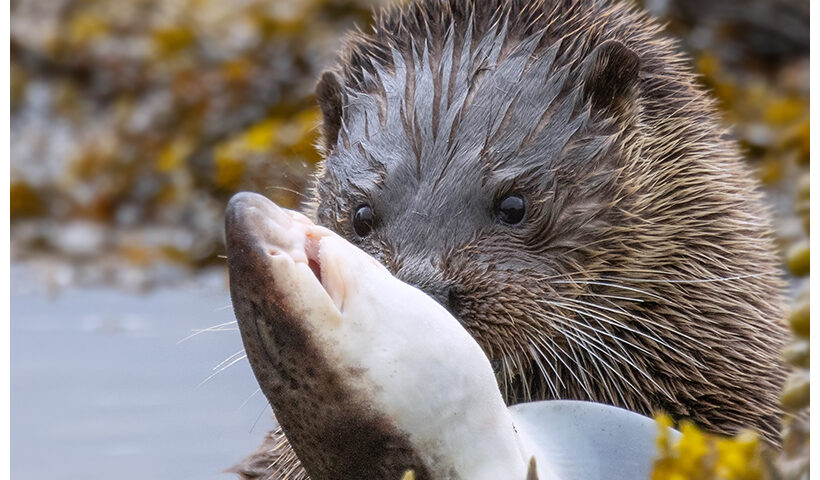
(532, 470)
(588, 441)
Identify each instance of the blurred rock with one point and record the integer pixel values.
(769, 30)
(133, 123)
(79, 239)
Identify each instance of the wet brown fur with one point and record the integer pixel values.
(648, 279)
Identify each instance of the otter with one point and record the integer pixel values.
(343, 351)
(550, 172)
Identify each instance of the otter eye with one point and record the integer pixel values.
(511, 209)
(363, 220)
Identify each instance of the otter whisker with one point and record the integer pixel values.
(261, 411)
(571, 338)
(524, 383)
(598, 342)
(581, 274)
(696, 280)
(541, 357)
(614, 322)
(579, 361)
(584, 384)
(510, 366)
(561, 320)
(655, 274)
(651, 322)
(621, 309)
(626, 356)
(286, 189)
(603, 379)
(557, 321)
(231, 357)
(607, 284)
(249, 399)
(232, 363)
(602, 330)
(604, 349)
(537, 335)
(505, 369)
(613, 297)
(215, 328)
(608, 300)
(537, 357)
(580, 310)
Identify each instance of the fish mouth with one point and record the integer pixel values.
(271, 248)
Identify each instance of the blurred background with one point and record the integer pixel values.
(133, 122)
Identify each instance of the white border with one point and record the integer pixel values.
(5, 459)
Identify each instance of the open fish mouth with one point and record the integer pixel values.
(277, 248)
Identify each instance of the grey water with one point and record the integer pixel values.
(101, 386)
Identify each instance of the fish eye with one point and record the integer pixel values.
(511, 209)
(363, 220)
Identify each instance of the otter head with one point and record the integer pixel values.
(550, 175)
(368, 376)
(479, 174)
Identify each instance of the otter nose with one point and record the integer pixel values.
(445, 295)
(428, 278)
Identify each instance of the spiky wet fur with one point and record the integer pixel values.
(645, 276)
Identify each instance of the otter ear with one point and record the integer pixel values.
(609, 74)
(330, 96)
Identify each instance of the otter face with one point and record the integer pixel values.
(568, 197)
(482, 184)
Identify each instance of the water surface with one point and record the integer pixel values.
(101, 388)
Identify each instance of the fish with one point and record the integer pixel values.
(369, 377)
